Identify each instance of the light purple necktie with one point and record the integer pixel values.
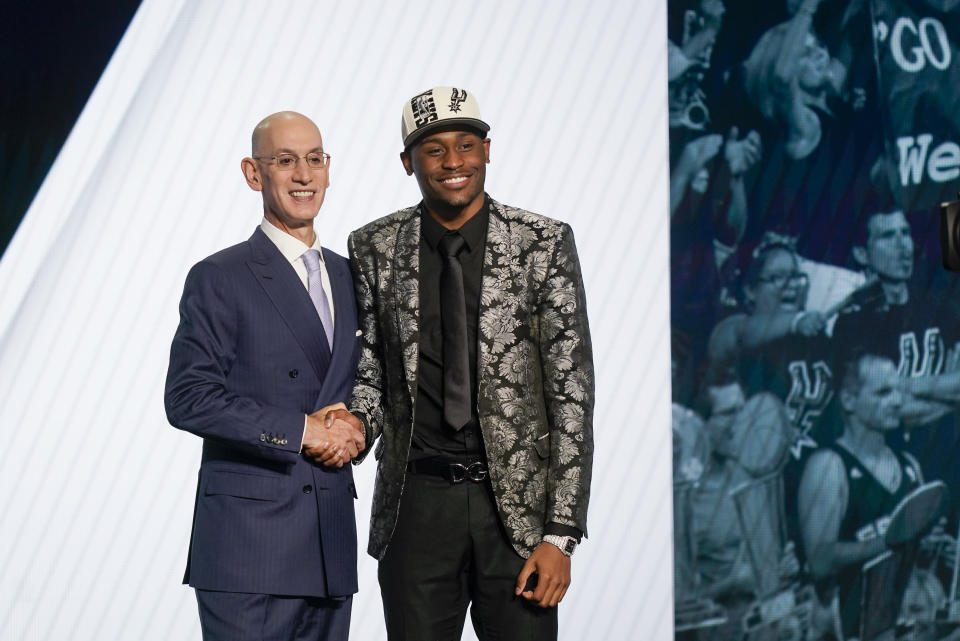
(311, 258)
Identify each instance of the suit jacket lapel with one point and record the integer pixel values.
(343, 305)
(290, 297)
(501, 273)
(407, 296)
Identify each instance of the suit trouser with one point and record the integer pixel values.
(238, 616)
(448, 550)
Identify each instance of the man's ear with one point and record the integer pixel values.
(486, 150)
(407, 162)
(846, 400)
(860, 255)
(251, 172)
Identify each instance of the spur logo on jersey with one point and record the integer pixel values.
(457, 98)
(873, 530)
(809, 395)
(424, 108)
(913, 44)
(942, 163)
(917, 361)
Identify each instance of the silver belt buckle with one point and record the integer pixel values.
(458, 472)
(477, 472)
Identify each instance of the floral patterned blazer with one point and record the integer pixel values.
(535, 381)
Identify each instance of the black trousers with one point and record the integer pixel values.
(449, 550)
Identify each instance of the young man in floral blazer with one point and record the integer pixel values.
(476, 376)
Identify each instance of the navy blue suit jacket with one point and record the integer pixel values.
(248, 360)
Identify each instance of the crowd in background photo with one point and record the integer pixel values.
(815, 341)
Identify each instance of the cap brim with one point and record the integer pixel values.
(447, 124)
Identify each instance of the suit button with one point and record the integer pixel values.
(294, 373)
(307, 489)
(263, 437)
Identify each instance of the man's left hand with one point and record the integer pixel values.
(343, 440)
(341, 419)
(552, 568)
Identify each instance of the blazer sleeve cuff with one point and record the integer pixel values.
(563, 530)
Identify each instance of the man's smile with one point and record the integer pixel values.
(456, 181)
(302, 195)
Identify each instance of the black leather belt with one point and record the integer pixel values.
(453, 471)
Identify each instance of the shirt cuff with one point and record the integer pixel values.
(563, 530)
(304, 433)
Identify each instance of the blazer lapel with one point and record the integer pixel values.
(344, 308)
(496, 284)
(290, 298)
(407, 296)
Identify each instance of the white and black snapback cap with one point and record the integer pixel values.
(440, 108)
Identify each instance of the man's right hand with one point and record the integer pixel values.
(331, 438)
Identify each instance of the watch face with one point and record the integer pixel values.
(570, 546)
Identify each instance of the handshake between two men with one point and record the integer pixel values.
(333, 436)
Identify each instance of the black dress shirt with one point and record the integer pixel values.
(431, 435)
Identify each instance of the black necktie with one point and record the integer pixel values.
(453, 316)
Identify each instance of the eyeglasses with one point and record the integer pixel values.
(780, 280)
(287, 162)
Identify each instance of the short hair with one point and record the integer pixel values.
(716, 377)
(850, 372)
(877, 201)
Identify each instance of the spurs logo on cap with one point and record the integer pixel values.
(457, 96)
(424, 109)
(430, 110)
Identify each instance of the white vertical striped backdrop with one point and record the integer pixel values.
(96, 489)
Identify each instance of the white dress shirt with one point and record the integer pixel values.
(293, 249)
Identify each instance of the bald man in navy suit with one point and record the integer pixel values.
(266, 346)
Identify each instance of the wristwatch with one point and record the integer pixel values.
(567, 544)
